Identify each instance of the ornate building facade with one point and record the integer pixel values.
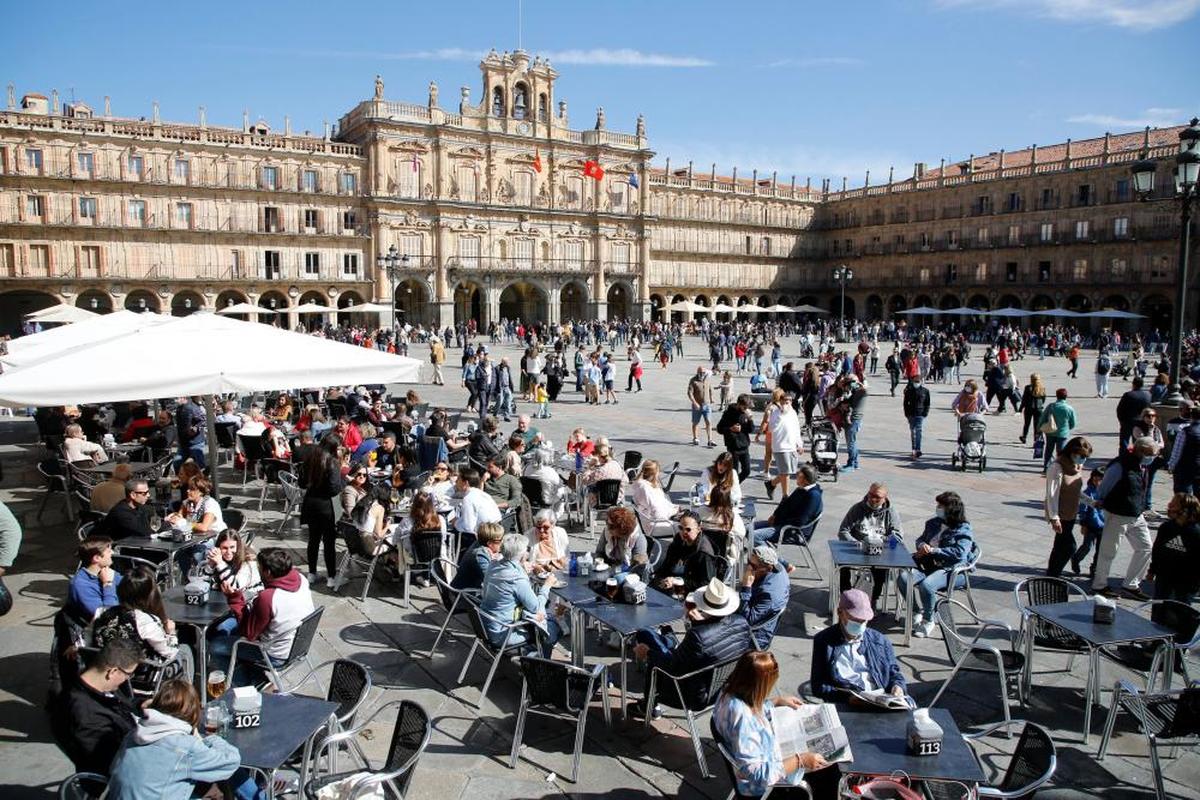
(501, 209)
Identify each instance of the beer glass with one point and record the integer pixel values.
(216, 684)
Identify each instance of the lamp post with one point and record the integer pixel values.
(1187, 171)
(843, 275)
(392, 263)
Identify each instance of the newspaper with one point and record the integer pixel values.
(812, 728)
(884, 700)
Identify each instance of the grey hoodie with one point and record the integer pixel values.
(861, 519)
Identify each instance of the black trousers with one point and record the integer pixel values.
(318, 516)
(741, 461)
(878, 581)
(1063, 549)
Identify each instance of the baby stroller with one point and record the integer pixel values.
(972, 443)
(824, 448)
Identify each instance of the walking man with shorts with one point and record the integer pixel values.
(699, 394)
(786, 445)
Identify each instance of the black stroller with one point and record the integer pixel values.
(824, 448)
(972, 443)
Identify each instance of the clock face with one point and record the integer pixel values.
(523, 129)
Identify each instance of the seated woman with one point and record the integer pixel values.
(231, 561)
(549, 546)
(719, 515)
(166, 757)
(78, 449)
(142, 619)
(946, 543)
(201, 513)
(276, 443)
(441, 483)
(438, 426)
(606, 468)
(355, 489)
(722, 473)
(422, 516)
(653, 506)
(372, 517)
(283, 409)
(579, 441)
(743, 718)
(622, 545)
(508, 595)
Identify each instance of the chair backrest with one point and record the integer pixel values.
(631, 460)
(510, 520)
(85, 530)
(1180, 617)
(426, 545)
(226, 431)
(671, 477)
(291, 487)
(443, 571)
(654, 553)
(475, 616)
(1044, 590)
(557, 684)
(948, 616)
(718, 538)
(726, 758)
(1032, 760)
(717, 675)
(534, 490)
(83, 786)
(349, 685)
(409, 739)
(253, 447)
(608, 493)
(52, 470)
(305, 634)
(123, 563)
(234, 519)
(432, 450)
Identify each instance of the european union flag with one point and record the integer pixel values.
(633, 181)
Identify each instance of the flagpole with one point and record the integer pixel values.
(519, 38)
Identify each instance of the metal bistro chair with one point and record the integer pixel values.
(605, 494)
(535, 491)
(484, 645)
(56, 483)
(84, 530)
(356, 555)
(293, 496)
(226, 439)
(708, 680)
(1181, 618)
(301, 644)
(558, 689)
(410, 736)
(125, 560)
(967, 652)
(349, 686)
(727, 760)
(426, 547)
(631, 464)
(1171, 718)
(963, 572)
(670, 481)
(1042, 591)
(1032, 766)
(83, 786)
(801, 536)
(443, 571)
(770, 622)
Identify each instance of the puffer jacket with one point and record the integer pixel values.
(951, 546)
(164, 759)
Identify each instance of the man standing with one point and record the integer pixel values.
(1122, 495)
(856, 402)
(916, 409)
(735, 425)
(502, 389)
(787, 446)
(484, 381)
(1130, 408)
(437, 357)
(1185, 449)
(1103, 367)
(699, 395)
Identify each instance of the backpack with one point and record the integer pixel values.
(1103, 365)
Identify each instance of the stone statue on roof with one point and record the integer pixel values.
(378, 87)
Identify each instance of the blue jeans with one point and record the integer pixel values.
(764, 533)
(915, 427)
(1054, 446)
(194, 452)
(504, 402)
(852, 442)
(927, 587)
(550, 635)
(1151, 472)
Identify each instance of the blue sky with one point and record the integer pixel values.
(807, 87)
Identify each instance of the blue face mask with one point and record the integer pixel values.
(940, 512)
(1147, 460)
(855, 628)
(1078, 460)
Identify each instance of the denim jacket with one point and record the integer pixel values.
(163, 759)
(951, 546)
(507, 591)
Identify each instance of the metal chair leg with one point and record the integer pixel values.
(367, 580)
(445, 624)
(519, 732)
(488, 682)
(580, 727)
(698, 745)
(467, 664)
(1109, 724)
(1156, 768)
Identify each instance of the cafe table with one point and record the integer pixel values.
(847, 555)
(623, 618)
(287, 723)
(199, 618)
(878, 747)
(163, 542)
(1077, 618)
(136, 468)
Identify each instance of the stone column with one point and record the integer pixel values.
(643, 284)
(599, 288)
(379, 161)
(441, 176)
(378, 245)
(491, 304)
(554, 303)
(442, 297)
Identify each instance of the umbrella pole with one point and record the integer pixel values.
(214, 450)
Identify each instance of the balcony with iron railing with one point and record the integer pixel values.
(204, 223)
(199, 179)
(185, 272)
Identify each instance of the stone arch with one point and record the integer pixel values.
(702, 300)
(469, 303)
(678, 316)
(410, 298)
(656, 305)
(723, 316)
(140, 300)
(523, 300)
(1158, 310)
(835, 306)
(186, 302)
(1041, 302)
(979, 301)
(95, 300)
(1115, 302)
(896, 304)
(275, 301)
(227, 298)
(874, 306)
(922, 300)
(573, 301)
(14, 305)
(620, 300)
(352, 298)
(949, 301)
(1009, 301)
(1078, 302)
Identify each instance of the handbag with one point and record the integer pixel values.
(896, 788)
(1049, 426)
(6, 600)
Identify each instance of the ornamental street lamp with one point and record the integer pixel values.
(843, 275)
(1187, 172)
(393, 263)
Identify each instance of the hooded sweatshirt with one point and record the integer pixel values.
(275, 613)
(861, 520)
(164, 759)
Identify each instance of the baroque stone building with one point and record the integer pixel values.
(492, 210)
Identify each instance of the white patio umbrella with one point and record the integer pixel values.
(686, 305)
(750, 308)
(63, 312)
(201, 354)
(779, 308)
(722, 308)
(313, 308)
(26, 350)
(366, 308)
(245, 308)
(922, 310)
(808, 309)
(1113, 313)
(1009, 312)
(1057, 312)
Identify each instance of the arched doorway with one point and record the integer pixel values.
(572, 302)
(468, 303)
(1078, 302)
(656, 305)
(896, 304)
(1041, 302)
(1116, 302)
(15, 305)
(411, 298)
(1009, 301)
(140, 300)
(678, 316)
(523, 301)
(618, 301)
(95, 301)
(702, 300)
(949, 301)
(312, 321)
(979, 301)
(835, 306)
(874, 307)
(347, 299)
(275, 301)
(1158, 312)
(231, 297)
(186, 302)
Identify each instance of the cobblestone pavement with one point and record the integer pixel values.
(468, 753)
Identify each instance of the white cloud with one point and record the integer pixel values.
(1152, 117)
(598, 56)
(816, 61)
(1138, 15)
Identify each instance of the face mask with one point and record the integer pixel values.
(874, 506)
(1147, 460)
(1078, 460)
(941, 512)
(855, 628)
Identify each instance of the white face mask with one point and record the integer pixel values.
(855, 628)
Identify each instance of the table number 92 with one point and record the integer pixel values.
(247, 720)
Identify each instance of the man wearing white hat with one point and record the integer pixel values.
(715, 634)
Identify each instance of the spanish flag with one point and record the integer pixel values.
(537, 161)
(593, 170)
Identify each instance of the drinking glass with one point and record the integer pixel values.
(216, 684)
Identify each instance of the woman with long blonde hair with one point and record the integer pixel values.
(1033, 400)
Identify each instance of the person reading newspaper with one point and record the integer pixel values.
(854, 663)
(767, 739)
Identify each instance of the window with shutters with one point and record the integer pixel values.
(312, 265)
(523, 254)
(1079, 270)
(35, 208)
(466, 184)
(574, 198)
(135, 167)
(981, 236)
(236, 264)
(8, 265)
(33, 160)
(349, 220)
(981, 272)
(137, 213)
(348, 183)
(87, 209)
(1119, 267)
(86, 163)
(411, 245)
(1121, 227)
(183, 170)
(183, 215)
(620, 257)
(89, 260)
(1047, 232)
(408, 177)
(1014, 234)
(272, 265)
(310, 220)
(350, 265)
(573, 255)
(269, 178)
(270, 220)
(308, 181)
(39, 259)
(1082, 229)
(523, 185)
(468, 251)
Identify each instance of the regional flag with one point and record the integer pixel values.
(537, 161)
(633, 181)
(593, 170)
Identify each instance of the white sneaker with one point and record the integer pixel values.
(313, 579)
(924, 629)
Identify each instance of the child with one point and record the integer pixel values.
(542, 398)
(726, 388)
(1091, 522)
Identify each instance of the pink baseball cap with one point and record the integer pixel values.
(856, 603)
